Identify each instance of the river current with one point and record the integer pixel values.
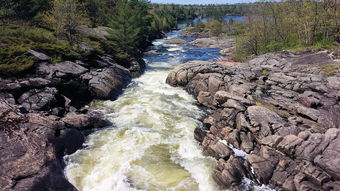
(151, 145)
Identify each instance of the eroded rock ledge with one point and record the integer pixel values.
(43, 116)
(281, 109)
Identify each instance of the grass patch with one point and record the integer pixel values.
(265, 72)
(330, 69)
(270, 107)
(319, 45)
(281, 113)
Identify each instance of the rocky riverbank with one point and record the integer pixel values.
(281, 109)
(44, 115)
(226, 44)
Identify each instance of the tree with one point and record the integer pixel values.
(6, 9)
(126, 30)
(99, 10)
(214, 26)
(65, 17)
(22, 9)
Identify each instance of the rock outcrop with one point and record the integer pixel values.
(43, 118)
(107, 83)
(224, 43)
(33, 144)
(281, 109)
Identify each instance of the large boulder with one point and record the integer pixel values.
(33, 144)
(263, 119)
(38, 99)
(329, 160)
(91, 119)
(214, 42)
(107, 83)
(65, 69)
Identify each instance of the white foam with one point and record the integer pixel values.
(175, 49)
(238, 152)
(247, 184)
(149, 113)
(153, 135)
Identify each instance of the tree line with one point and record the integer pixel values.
(290, 24)
(134, 23)
(189, 12)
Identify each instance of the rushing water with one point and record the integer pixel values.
(152, 146)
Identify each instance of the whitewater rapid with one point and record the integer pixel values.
(151, 146)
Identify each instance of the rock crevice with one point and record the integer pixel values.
(282, 109)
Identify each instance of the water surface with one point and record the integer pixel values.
(151, 146)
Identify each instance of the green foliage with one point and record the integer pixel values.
(214, 26)
(14, 60)
(22, 9)
(99, 11)
(198, 26)
(131, 25)
(265, 72)
(292, 25)
(189, 12)
(64, 18)
(32, 34)
(16, 40)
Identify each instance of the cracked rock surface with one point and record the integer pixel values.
(44, 116)
(281, 109)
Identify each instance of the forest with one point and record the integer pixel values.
(54, 26)
(290, 25)
(274, 26)
(58, 27)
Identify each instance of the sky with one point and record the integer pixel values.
(202, 1)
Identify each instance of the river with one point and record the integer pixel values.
(151, 146)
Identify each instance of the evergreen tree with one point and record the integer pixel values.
(125, 26)
(99, 10)
(22, 9)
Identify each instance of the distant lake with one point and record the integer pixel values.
(235, 18)
(227, 18)
(184, 24)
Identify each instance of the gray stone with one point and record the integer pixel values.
(38, 55)
(264, 118)
(38, 99)
(107, 83)
(234, 104)
(61, 70)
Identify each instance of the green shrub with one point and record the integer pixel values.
(16, 40)
(62, 49)
(214, 26)
(26, 32)
(198, 27)
(14, 60)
